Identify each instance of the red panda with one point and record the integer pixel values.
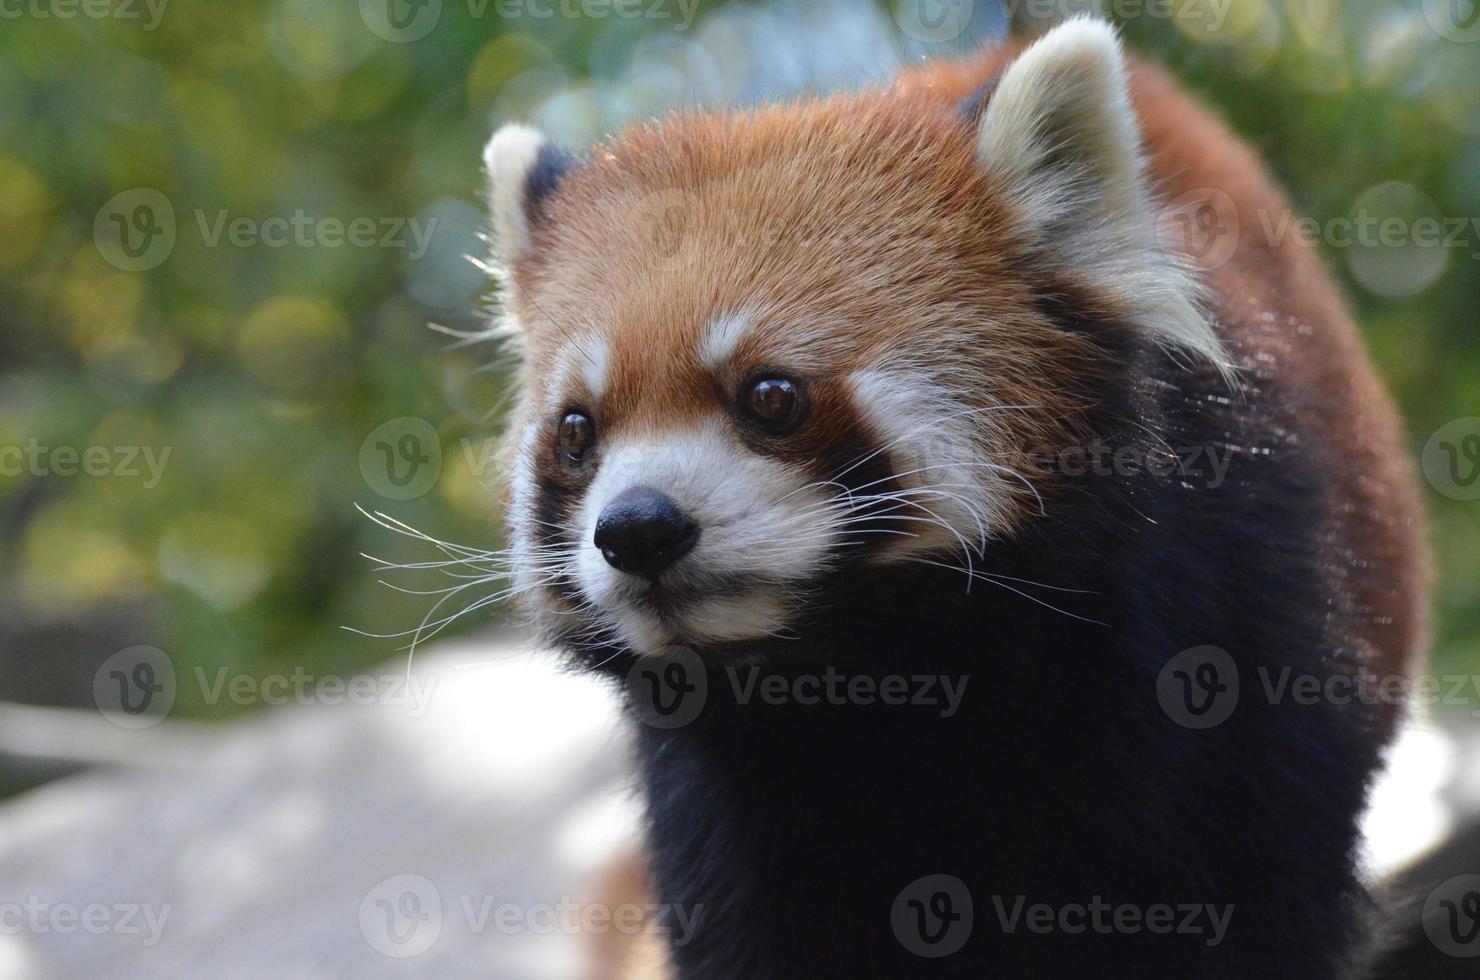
(828, 389)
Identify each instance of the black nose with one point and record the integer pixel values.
(643, 532)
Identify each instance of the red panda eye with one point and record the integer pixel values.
(774, 403)
(576, 436)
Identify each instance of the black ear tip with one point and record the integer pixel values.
(550, 167)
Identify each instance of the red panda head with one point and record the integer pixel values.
(761, 348)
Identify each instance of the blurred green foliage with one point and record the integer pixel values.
(263, 364)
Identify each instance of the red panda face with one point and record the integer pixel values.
(761, 349)
(758, 351)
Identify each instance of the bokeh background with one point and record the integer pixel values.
(173, 288)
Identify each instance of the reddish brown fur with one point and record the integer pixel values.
(1310, 340)
(864, 257)
(881, 226)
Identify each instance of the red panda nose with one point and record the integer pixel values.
(643, 532)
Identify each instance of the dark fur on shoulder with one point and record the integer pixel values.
(1061, 780)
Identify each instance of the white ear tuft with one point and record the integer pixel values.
(510, 157)
(1061, 137)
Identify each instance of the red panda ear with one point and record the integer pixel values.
(523, 170)
(1061, 139)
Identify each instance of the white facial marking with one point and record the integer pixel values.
(595, 358)
(721, 339)
(587, 358)
(759, 532)
(938, 446)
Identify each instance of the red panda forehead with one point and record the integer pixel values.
(772, 194)
(827, 231)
